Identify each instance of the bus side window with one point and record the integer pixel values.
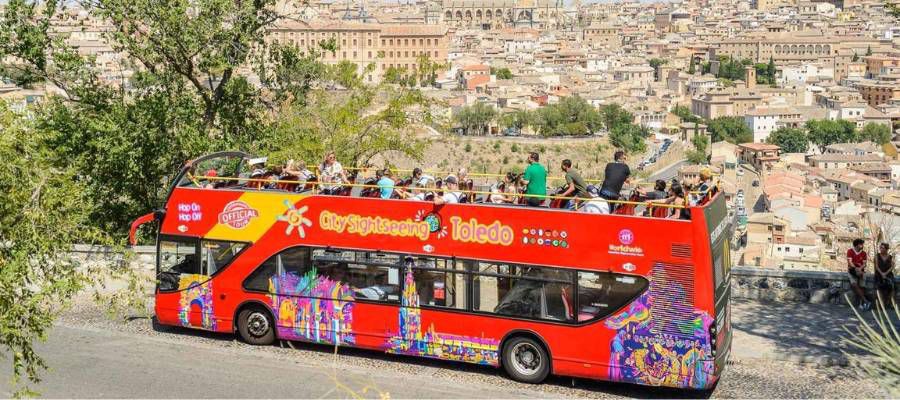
(524, 291)
(366, 274)
(216, 254)
(601, 294)
(293, 261)
(438, 284)
(177, 256)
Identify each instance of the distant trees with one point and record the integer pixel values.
(502, 73)
(731, 129)
(877, 133)
(698, 154)
(765, 72)
(571, 116)
(518, 119)
(685, 114)
(656, 63)
(623, 132)
(791, 140)
(475, 119)
(732, 69)
(825, 132)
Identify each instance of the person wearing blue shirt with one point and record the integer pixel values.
(385, 183)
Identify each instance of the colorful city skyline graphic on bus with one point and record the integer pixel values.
(412, 340)
(641, 353)
(313, 308)
(196, 298)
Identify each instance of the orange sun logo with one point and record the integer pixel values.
(295, 219)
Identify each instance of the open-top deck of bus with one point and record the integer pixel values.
(613, 297)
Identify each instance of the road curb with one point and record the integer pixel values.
(819, 361)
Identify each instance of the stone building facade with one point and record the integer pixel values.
(493, 14)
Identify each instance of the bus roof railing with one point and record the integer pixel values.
(366, 186)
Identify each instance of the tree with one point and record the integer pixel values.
(855, 57)
(428, 69)
(791, 140)
(629, 137)
(731, 129)
(476, 118)
(518, 119)
(502, 73)
(43, 211)
(869, 50)
(614, 115)
(685, 114)
(656, 63)
(876, 133)
(571, 116)
(770, 69)
(825, 132)
(698, 154)
(358, 124)
(692, 68)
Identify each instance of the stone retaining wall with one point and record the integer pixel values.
(792, 285)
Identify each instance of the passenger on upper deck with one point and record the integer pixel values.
(298, 170)
(506, 192)
(535, 181)
(385, 182)
(451, 194)
(680, 211)
(703, 188)
(331, 173)
(615, 176)
(576, 186)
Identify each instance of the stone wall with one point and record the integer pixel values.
(792, 285)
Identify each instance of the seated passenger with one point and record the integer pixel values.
(680, 211)
(451, 194)
(703, 188)
(331, 174)
(298, 170)
(596, 205)
(575, 185)
(385, 183)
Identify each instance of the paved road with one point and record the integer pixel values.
(90, 356)
(667, 173)
(102, 364)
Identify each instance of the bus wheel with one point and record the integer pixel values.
(525, 360)
(255, 326)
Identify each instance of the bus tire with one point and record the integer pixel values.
(526, 360)
(255, 326)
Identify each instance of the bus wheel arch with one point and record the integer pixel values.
(255, 323)
(534, 349)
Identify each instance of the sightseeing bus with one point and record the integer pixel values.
(535, 291)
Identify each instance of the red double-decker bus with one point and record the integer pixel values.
(534, 291)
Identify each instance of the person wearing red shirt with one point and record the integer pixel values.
(856, 268)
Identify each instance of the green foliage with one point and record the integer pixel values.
(518, 119)
(613, 115)
(629, 137)
(825, 132)
(731, 129)
(692, 68)
(869, 50)
(475, 119)
(572, 116)
(502, 73)
(732, 69)
(656, 63)
(791, 140)
(685, 114)
(43, 211)
(876, 133)
(698, 154)
(514, 148)
(357, 124)
(880, 342)
(468, 148)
